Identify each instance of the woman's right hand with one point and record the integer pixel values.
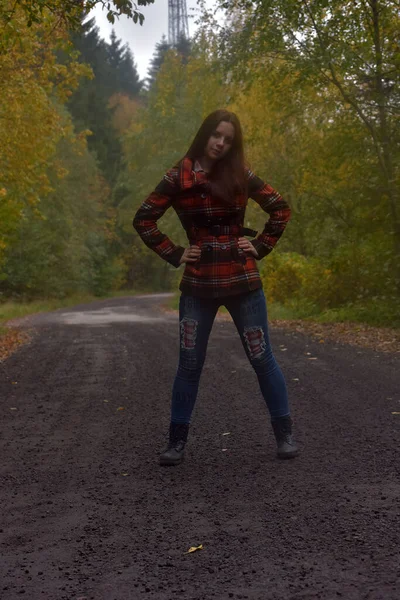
(191, 254)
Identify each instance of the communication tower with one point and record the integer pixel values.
(177, 21)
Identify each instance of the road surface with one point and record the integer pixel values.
(87, 512)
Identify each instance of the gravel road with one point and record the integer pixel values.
(87, 512)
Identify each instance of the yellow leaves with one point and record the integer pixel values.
(61, 172)
(10, 341)
(31, 125)
(125, 110)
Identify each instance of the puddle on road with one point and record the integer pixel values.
(104, 316)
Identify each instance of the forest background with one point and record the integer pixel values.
(83, 141)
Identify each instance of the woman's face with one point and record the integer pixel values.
(220, 141)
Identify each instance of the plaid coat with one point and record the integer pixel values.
(223, 269)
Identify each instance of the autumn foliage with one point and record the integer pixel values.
(83, 142)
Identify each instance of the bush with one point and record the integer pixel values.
(358, 279)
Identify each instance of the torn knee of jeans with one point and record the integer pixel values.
(255, 341)
(188, 333)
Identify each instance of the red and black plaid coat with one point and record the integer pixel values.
(223, 269)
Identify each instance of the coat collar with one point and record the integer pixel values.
(188, 177)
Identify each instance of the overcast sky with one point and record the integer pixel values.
(142, 39)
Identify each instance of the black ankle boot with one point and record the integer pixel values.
(173, 455)
(282, 427)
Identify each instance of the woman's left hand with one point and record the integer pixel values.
(247, 246)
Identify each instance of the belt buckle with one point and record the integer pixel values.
(216, 230)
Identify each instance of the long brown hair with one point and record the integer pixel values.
(227, 177)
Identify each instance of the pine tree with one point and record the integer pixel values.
(184, 48)
(129, 81)
(161, 49)
(123, 75)
(115, 51)
(114, 72)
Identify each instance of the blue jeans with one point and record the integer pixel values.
(196, 318)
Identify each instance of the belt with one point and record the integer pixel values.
(217, 230)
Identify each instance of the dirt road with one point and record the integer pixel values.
(86, 512)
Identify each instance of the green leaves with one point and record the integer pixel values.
(69, 11)
(346, 51)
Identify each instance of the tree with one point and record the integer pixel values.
(344, 45)
(114, 73)
(55, 220)
(68, 12)
(115, 51)
(122, 74)
(66, 248)
(157, 60)
(184, 48)
(33, 84)
(129, 80)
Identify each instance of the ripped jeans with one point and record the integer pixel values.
(196, 318)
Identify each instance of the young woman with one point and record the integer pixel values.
(209, 189)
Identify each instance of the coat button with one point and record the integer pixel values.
(223, 247)
(209, 248)
(204, 195)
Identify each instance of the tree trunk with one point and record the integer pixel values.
(384, 132)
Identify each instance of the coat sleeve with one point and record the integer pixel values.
(152, 209)
(272, 203)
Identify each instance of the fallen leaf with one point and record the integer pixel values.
(124, 474)
(312, 358)
(224, 449)
(121, 408)
(395, 413)
(13, 408)
(11, 340)
(227, 433)
(295, 379)
(106, 401)
(194, 548)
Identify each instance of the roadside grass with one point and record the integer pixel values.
(373, 313)
(368, 314)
